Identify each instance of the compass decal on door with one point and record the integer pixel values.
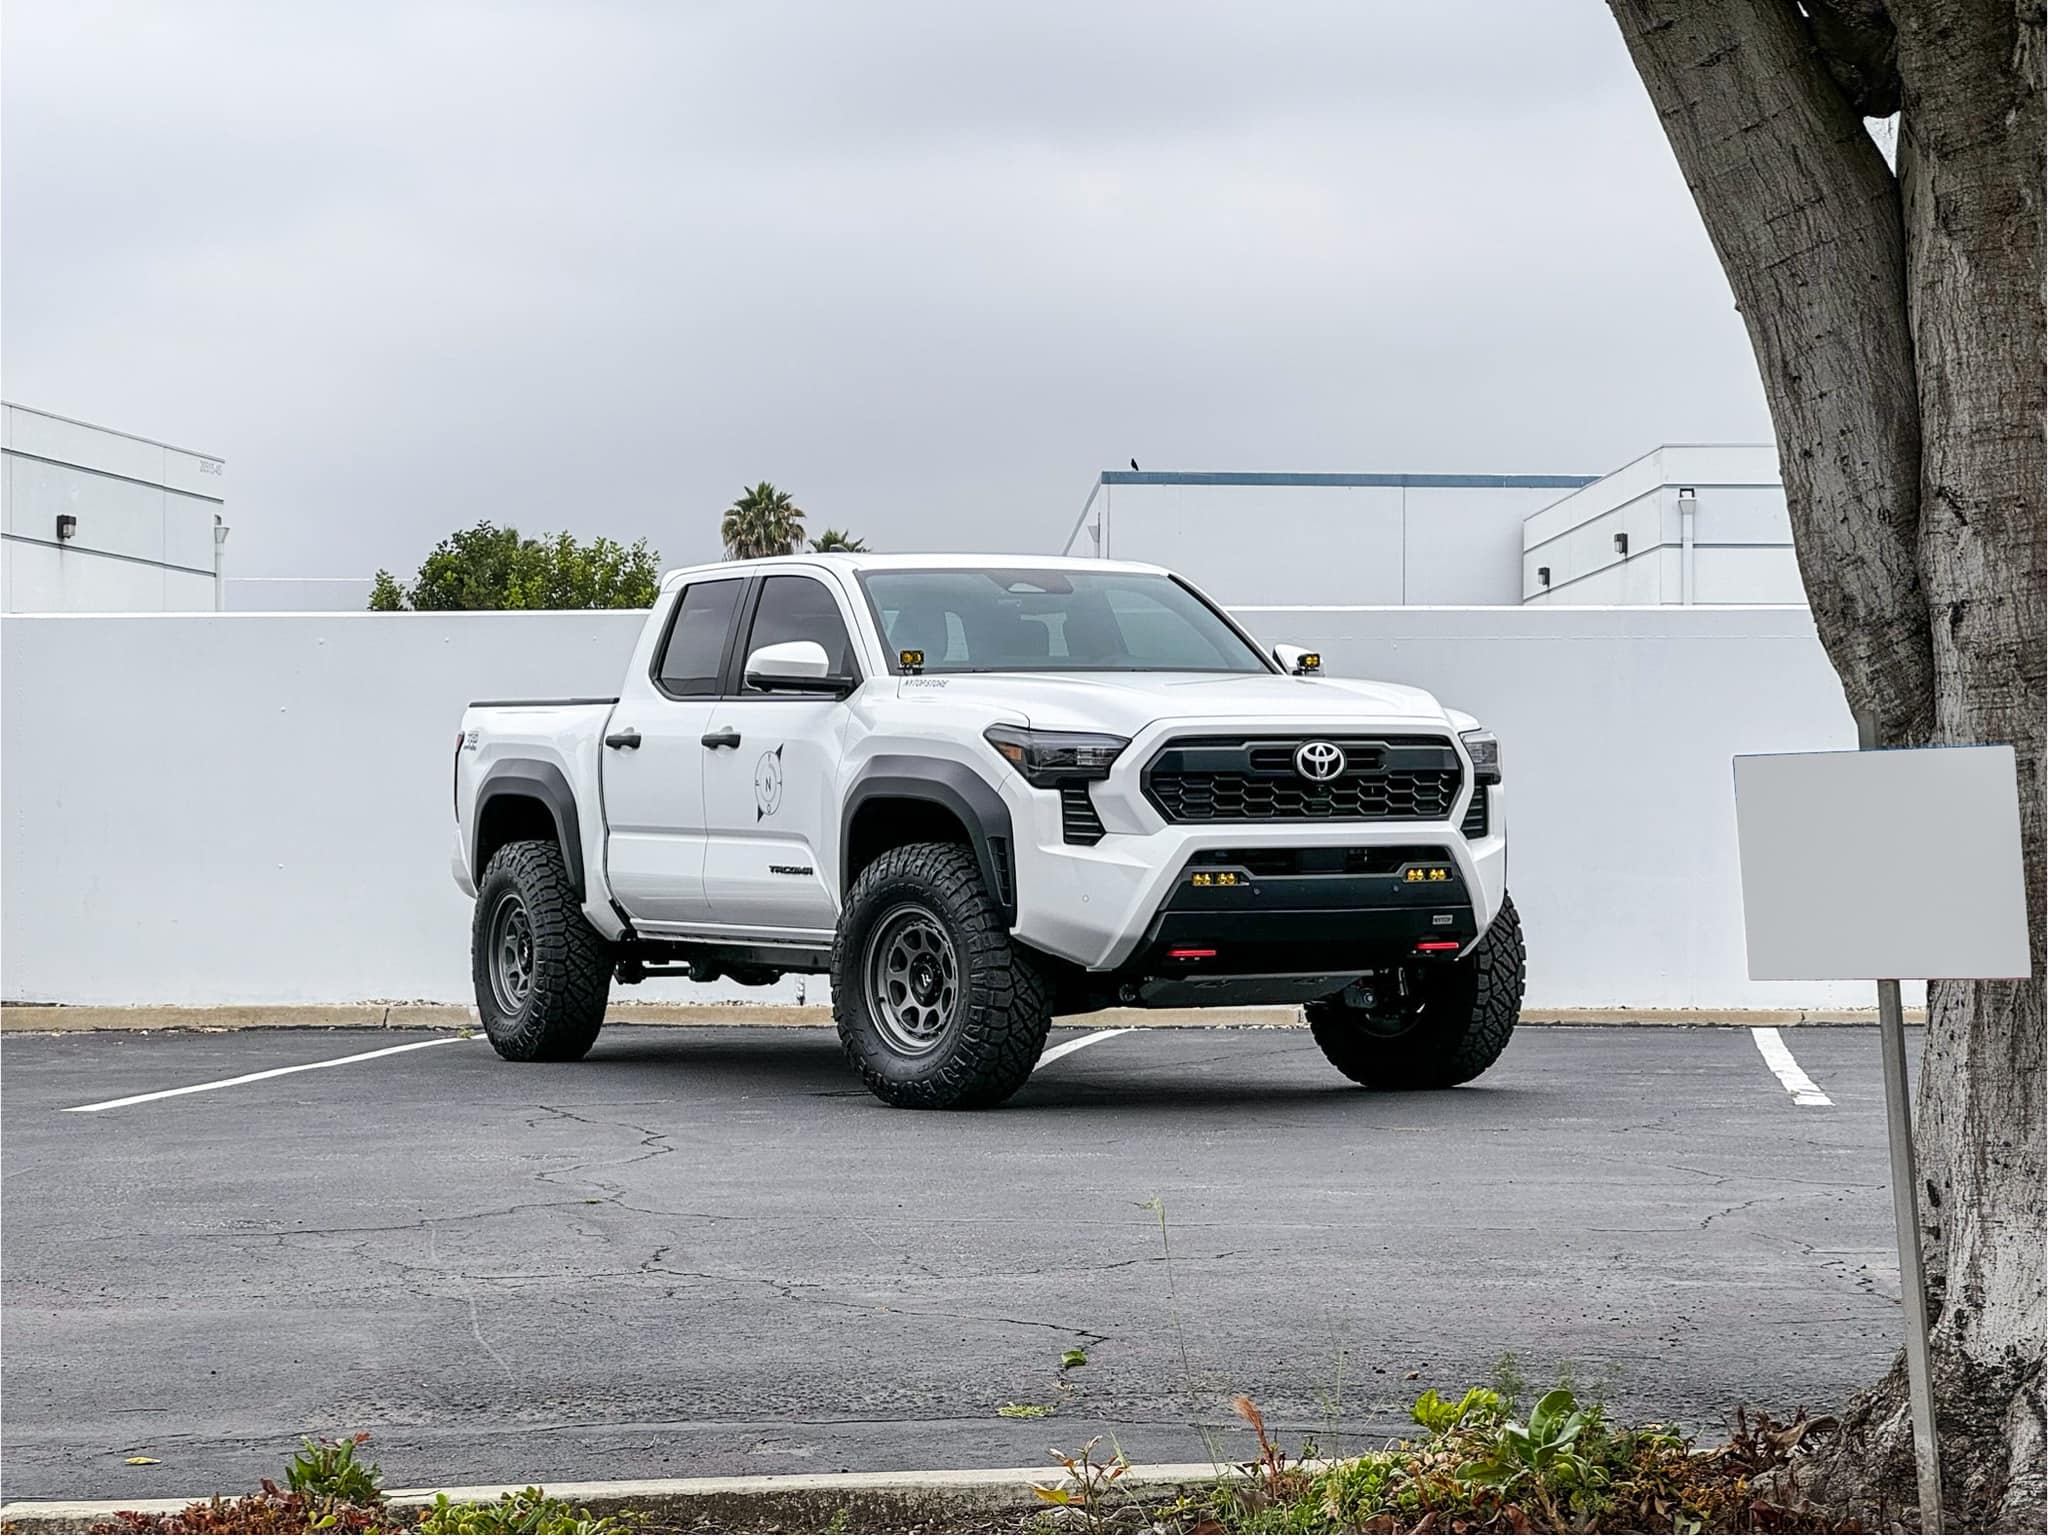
(768, 783)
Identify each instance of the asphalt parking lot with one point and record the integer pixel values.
(709, 1251)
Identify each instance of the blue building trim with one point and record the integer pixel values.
(1426, 482)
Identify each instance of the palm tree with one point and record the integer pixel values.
(839, 539)
(764, 521)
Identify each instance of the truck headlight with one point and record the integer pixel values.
(1483, 747)
(1048, 758)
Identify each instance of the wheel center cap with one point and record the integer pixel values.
(924, 981)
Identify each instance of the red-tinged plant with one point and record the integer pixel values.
(271, 1512)
(1279, 1481)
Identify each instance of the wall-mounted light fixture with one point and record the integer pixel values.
(1621, 543)
(1543, 575)
(67, 527)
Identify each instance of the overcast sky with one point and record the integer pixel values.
(930, 267)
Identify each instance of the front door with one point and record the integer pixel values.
(654, 790)
(771, 797)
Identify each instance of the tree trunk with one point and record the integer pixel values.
(1898, 324)
(1971, 163)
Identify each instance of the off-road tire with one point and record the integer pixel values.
(563, 1006)
(994, 1036)
(1463, 1026)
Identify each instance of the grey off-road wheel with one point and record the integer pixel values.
(1450, 1026)
(542, 972)
(936, 1007)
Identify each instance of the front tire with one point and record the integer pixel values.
(542, 973)
(1455, 1025)
(936, 1007)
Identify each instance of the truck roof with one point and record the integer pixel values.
(932, 562)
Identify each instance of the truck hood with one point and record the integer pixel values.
(1126, 702)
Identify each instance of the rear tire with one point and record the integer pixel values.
(1466, 1011)
(936, 1007)
(542, 973)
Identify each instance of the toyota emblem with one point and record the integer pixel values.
(1319, 761)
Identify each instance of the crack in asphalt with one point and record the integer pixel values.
(791, 1290)
(476, 1326)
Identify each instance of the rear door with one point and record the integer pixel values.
(771, 790)
(654, 760)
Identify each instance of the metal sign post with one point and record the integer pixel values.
(1898, 1135)
(1898, 1130)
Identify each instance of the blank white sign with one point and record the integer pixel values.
(1868, 865)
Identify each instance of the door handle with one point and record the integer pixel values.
(724, 736)
(625, 740)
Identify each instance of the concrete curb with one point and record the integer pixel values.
(857, 1501)
(60, 1018)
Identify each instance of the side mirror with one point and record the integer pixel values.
(1293, 659)
(794, 666)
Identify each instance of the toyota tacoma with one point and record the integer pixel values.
(978, 793)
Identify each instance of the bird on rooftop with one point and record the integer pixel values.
(1134, 465)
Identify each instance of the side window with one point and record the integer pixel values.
(798, 608)
(696, 639)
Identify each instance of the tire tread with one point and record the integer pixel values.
(1439, 1057)
(572, 962)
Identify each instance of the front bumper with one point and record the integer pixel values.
(1124, 901)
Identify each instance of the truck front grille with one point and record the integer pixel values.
(1384, 778)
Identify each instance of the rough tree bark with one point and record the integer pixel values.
(1898, 325)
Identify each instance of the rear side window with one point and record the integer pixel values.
(696, 640)
(798, 608)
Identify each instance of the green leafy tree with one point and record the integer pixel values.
(492, 567)
(386, 595)
(764, 521)
(838, 539)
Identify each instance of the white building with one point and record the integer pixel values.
(97, 521)
(1375, 539)
(1688, 523)
(1462, 540)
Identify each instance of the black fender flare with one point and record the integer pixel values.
(529, 779)
(957, 787)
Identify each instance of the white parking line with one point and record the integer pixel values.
(1778, 1057)
(1072, 1046)
(257, 1077)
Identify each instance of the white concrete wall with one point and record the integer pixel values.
(146, 512)
(246, 808)
(254, 808)
(1369, 544)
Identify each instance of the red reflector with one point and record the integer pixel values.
(1191, 954)
(1432, 945)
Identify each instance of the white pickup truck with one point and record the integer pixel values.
(977, 793)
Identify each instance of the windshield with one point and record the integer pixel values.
(1054, 621)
